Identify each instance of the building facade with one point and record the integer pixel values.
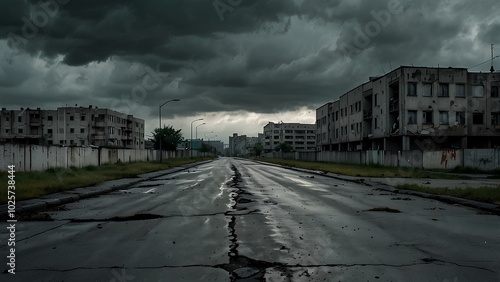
(72, 126)
(240, 145)
(302, 137)
(414, 108)
(217, 146)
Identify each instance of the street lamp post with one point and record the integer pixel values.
(191, 143)
(161, 134)
(196, 130)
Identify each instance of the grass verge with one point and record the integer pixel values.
(481, 194)
(363, 170)
(35, 184)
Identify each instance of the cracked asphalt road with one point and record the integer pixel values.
(236, 220)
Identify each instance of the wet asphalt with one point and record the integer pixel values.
(237, 220)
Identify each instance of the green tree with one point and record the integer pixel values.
(257, 149)
(284, 147)
(170, 138)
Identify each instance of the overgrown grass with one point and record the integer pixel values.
(35, 184)
(482, 194)
(363, 170)
(470, 170)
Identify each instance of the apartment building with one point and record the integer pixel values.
(240, 145)
(414, 108)
(217, 145)
(72, 126)
(302, 137)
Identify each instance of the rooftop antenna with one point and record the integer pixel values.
(492, 69)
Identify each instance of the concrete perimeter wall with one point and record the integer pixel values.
(39, 158)
(485, 159)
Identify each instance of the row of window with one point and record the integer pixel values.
(428, 117)
(444, 90)
(354, 108)
(288, 137)
(295, 131)
(355, 128)
(82, 142)
(111, 130)
(82, 118)
(291, 143)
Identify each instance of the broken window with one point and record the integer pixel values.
(427, 90)
(460, 90)
(477, 118)
(412, 117)
(495, 118)
(412, 89)
(460, 118)
(494, 91)
(443, 90)
(443, 118)
(427, 117)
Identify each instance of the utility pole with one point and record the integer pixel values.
(492, 69)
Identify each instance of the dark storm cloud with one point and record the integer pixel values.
(260, 55)
(87, 31)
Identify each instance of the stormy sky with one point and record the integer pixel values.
(236, 63)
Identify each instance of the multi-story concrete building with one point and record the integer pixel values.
(414, 108)
(240, 145)
(302, 137)
(217, 145)
(72, 126)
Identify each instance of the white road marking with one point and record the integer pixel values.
(150, 191)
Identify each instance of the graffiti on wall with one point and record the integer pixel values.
(448, 154)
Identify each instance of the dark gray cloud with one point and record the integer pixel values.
(259, 56)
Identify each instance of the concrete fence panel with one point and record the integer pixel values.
(486, 159)
(39, 158)
(444, 159)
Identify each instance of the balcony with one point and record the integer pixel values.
(98, 136)
(367, 114)
(393, 105)
(35, 122)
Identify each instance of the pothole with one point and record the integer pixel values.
(244, 201)
(35, 217)
(270, 202)
(401, 199)
(135, 217)
(384, 209)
